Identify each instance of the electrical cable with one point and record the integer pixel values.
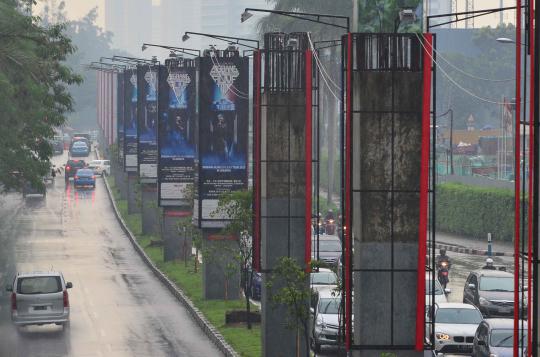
(235, 90)
(322, 74)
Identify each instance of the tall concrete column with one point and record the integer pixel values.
(149, 209)
(122, 184)
(386, 137)
(282, 186)
(177, 241)
(221, 272)
(133, 194)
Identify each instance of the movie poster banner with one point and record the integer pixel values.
(120, 116)
(130, 120)
(223, 131)
(147, 118)
(177, 131)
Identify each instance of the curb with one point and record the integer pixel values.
(459, 249)
(210, 331)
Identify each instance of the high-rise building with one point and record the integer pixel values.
(130, 21)
(439, 7)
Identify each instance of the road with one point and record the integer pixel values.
(118, 308)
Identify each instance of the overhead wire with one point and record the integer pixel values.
(233, 88)
(322, 73)
(459, 86)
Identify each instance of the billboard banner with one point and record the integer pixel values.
(120, 116)
(147, 117)
(223, 131)
(177, 131)
(130, 120)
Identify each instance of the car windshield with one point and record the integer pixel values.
(85, 172)
(496, 283)
(323, 278)
(458, 316)
(329, 246)
(438, 288)
(329, 306)
(505, 337)
(39, 285)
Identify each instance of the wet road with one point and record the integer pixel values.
(118, 308)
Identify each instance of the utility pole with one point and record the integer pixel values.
(355, 16)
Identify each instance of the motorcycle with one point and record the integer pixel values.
(330, 227)
(442, 274)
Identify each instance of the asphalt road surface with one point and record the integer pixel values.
(118, 308)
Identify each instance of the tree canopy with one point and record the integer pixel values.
(34, 94)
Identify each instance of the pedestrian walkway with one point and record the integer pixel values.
(467, 245)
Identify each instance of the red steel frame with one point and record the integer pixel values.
(309, 164)
(347, 228)
(517, 180)
(531, 177)
(257, 159)
(424, 188)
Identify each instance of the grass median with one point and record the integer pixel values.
(245, 342)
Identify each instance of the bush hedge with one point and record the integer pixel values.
(475, 211)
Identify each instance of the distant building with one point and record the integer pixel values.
(130, 21)
(439, 7)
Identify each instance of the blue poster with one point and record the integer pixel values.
(130, 120)
(147, 117)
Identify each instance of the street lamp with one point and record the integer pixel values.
(172, 48)
(505, 40)
(228, 39)
(136, 60)
(306, 16)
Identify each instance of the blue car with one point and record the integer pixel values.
(84, 177)
(80, 148)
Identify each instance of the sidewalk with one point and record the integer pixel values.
(466, 245)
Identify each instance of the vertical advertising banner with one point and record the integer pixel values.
(177, 131)
(223, 131)
(130, 120)
(120, 116)
(147, 118)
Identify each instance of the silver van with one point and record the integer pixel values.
(39, 298)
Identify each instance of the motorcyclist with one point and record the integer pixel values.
(442, 257)
(489, 265)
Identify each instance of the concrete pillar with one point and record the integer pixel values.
(177, 242)
(133, 194)
(121, 183)
(283, 195)
(150, 209)
(221, 271)
(386, 137)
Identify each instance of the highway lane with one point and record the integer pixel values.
(118, 308)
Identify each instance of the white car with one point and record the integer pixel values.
(100, 167)
(324, 279)
(440, 293)
(455, 327)
(325, 313)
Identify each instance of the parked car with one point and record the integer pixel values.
(455, 327)
(323, 279)
(329, 248)
(71, 168)
(492, 291)
(30, 189)
(100, 167)
(325, 313)
(79, 148)
(495, 337)
(39, 298)
(84, 177)
(256, 286)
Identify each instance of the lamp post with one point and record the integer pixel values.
(229, 39)
(137, 60)
(187, 51)
(306, 16)
(451, 112)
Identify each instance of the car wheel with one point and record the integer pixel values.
(65, 327)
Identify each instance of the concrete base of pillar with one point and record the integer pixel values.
(221, 272)
(150, 209)
(176, 243)
(133, 194)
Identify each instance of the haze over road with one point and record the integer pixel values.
(118, 308)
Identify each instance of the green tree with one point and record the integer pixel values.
(34, 94)
(288, 286)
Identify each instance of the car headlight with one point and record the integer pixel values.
(442, 336)
(320, 322)
(492, 355)
(483, 301)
